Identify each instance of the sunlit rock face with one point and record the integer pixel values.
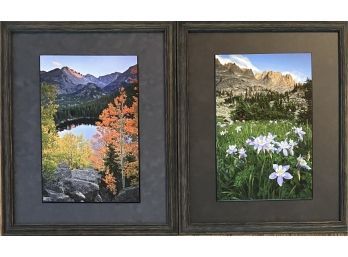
(231, 77)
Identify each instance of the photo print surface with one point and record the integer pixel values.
(89, 128)
(263, 126)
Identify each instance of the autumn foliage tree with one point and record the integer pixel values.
(71, 150)
(118, 131)
(49, 136)
(74, 151)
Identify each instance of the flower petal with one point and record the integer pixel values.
(273, 175)
(280, 180)
(287, 175)
(285, 152)
(275, 166)
(286, 167)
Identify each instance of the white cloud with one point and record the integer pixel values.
(244, 62)
(56, 64)
(240, 60)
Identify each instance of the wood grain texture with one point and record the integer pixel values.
(248, 228)
(9, 226)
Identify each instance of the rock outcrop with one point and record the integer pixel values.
(129, 194)
(83, 185)
(80, 185)
(232, 78)
(276, 80)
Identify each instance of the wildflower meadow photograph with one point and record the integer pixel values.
(89, 128)
(263, 126)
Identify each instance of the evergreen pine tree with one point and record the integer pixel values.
(112, 164)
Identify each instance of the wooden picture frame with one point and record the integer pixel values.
(187, 226)
(9, 225)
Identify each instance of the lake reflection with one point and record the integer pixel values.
(88, 131)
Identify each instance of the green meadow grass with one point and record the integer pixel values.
(248, 179)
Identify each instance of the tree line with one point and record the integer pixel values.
(271, 105)
(90, 109)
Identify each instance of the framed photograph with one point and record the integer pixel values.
(88, 128)
(262, 127)
(264, 123)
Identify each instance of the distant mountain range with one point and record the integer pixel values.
(74, 86)
(231, 77)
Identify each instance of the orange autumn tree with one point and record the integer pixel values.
(118, 131)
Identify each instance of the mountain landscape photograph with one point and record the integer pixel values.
(263, 126)
(89, 128)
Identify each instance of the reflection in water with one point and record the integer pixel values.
(88, 131)
(85, 127)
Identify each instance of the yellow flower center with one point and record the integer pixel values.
(279, 171)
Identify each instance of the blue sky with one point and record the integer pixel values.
(296, 64)
(88, 64)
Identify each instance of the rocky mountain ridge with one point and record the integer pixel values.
(68, 80)
(232, 78)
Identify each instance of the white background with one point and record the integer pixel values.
(174, 10)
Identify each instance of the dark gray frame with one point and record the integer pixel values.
(188, 227)
(9, 227)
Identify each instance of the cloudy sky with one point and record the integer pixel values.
(88, 64)
(296, 64)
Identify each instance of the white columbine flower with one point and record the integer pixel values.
(299, 132)
(232, 149)
(249, 141)
(292, 144)
(271, 137)
(242, 153)
(224, 132)
(285, 148)
(301, 163)
(262, 143)
(280, 173)
(238, 129)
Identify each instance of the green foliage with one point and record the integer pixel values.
(70, 149)
(248, 179)
(270, 105)
(92, 108)
(74, 151)
(306, 114)
(264, 106)
(49, 135)
(112, 165)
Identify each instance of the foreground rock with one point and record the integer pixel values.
(83, 185)
(56, 197)
(80, 185)
(81, 189)
(129, 194)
